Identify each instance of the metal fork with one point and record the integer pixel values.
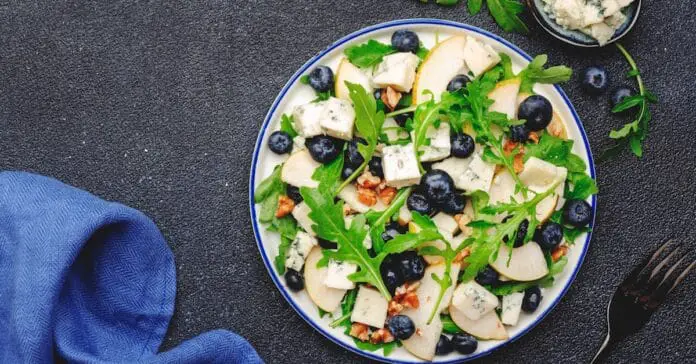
(640, 294)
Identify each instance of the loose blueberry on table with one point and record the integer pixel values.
(373, 209)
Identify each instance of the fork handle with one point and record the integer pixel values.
(604, 350)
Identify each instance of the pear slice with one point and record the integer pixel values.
(504, 97)
(503, 188)
(527, 262)
(298, 170)
(346, 71)
(443, 62)
(546, 207)
(423, 345)
(324, 297)
(488, 327)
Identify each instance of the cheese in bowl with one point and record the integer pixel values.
(422, 194)
(599, 19)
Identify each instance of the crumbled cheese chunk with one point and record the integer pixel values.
(370, 308)
(337, 274)
(397, 70)
(307, 119)
(301, 214)
(440, 143)
(479, 57)
(338, 118)
(473, 300)
(400, 165)
(298, 250)
(511, 306)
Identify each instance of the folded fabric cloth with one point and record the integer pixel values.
(90, 281)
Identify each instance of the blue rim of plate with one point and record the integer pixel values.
(269, 266)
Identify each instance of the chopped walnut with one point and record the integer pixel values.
(367, 196)
(387, 195)
(419, 332)
(534, 136)
(347, 210)
(559, 252)
(462, 221)
(394, 308)
(556, 128)
(509, 146)
(382, 335)
(462, 254)
(359, 331)
(518, 163)
(368, 180)
(391, 97)
(285, 206)
(410, 300)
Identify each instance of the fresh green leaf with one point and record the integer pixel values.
(536, 73)
(368, 54)
(626, 130)
(286, 125)
(580, 186)
(474, 6)
(447, 2)
(304, 79)
(267, 194)
(448, 326)
(506, 14)
(378, 220)
(323, 313)
(329, 175)
(279, 260)
(628, 103)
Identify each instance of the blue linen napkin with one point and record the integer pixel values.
(90, 281)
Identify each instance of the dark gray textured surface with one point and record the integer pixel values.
(157, 105)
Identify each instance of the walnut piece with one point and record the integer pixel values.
(285, 206)
(367, 197)
(462, 221)
(559, 252)
(368, 180)
(391, 97)
(359, 331)
(382, 335)
(387, 194)
(518, 163)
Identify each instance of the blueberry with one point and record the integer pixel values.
(594, 80)
(411, 265)
(280, 142)
(347, 171)
(454, 205)
(521, 233)
(549, 235)
(294, 280)
(401, 327)
(375, 167)
(577, 213)
(419, 203)
(391, 230)
(321, 79)
(405, 41)
(537, 111)
(458, 82)
(391, 274)
(402, 118)
(519, 133)
(531, 300)
(327, 244)
(444, 346)
(464, 343)
(488, 276)
(324, 149)
(462, 145)
(353, 157)
(621, 93)
(437, 185)
(377, 94)
(294, 193)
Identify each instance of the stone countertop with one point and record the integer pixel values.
(158, 106)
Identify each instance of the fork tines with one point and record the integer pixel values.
(651, 282)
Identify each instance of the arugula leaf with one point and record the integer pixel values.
(426, 115)
(346, 310)
(634, 133)
(583, 186)
(267, 194)
(368, 54)
(474, 6)
(329, 175)
(535, 73)
(368, 122)
(286, 123)
(422, 52)
(448, 325)
(279, 260)
(388, 348)
(506, 14)
(378, 220)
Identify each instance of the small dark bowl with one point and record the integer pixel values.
(576, 37)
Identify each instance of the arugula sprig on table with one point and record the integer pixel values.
(368, 122)
(330, 225)
(634, 133)
(505, 12)
(372, 52)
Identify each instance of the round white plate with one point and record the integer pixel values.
(294, 93)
